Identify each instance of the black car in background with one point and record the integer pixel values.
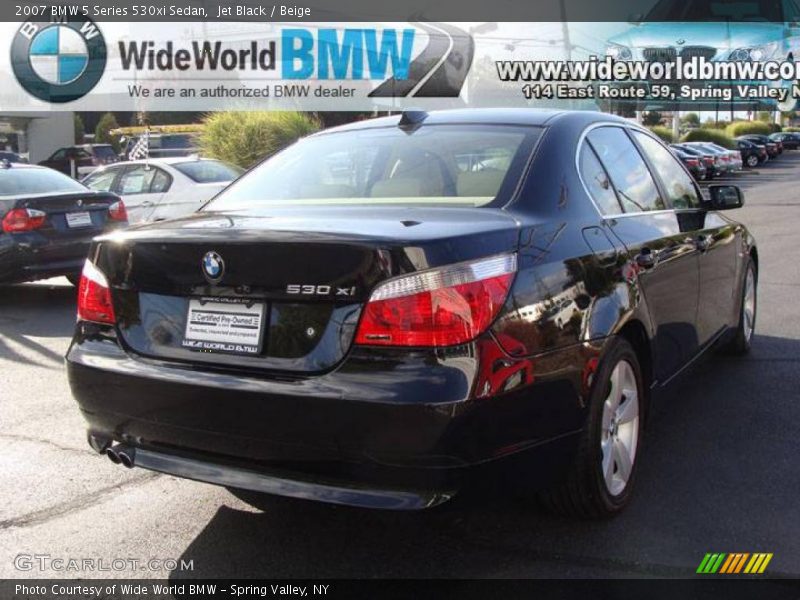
(12, 157)
(752, 154)
(388, 312)
(789, 139)
(694, 164)
(87, 158)
(773, 147)
(47, 221)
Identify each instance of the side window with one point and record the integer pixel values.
(136, 180)
(101, 181)
(679, 186)
(627, 170)
(161, 182)
(596, 179)
(58, 154)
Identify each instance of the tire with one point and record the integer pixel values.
(752, 161)
(587, 492)
(743, 336)
(74, 279)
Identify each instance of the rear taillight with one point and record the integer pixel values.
(117, 211)
(440, 307)
(23, 219)
(692, 162)
(94, 296)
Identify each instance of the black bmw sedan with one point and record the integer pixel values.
(388, 313)
(47, 221)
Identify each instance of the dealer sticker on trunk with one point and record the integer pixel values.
(230, 326)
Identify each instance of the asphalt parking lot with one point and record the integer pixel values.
(719, 470)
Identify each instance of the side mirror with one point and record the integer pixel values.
(725, 197)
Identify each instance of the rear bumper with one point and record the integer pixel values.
(31, 259)
(332, 493)
(383, 430)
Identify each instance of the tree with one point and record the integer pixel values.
(691, 119)
(651, 118)
(102, 133)
(79, 128)
(244, 138)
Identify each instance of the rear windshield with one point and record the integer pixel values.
(463, 165)
(19, 182)
(208, 171)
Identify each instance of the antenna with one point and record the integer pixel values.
(412, 118)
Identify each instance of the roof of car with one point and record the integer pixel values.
(489, 116)
(166, 160)
(16, 165)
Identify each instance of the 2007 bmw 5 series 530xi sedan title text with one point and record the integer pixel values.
(387, 313)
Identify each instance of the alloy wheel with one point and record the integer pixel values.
(620, 428)
(749, 305)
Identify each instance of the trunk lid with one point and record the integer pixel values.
(70, 216)
(307, 276)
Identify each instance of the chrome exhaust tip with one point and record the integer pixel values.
(112, 454)
(126, 456)
(99, 444)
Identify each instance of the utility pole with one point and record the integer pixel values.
(565, 30)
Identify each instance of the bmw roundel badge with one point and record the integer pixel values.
(213, 267)
(58, 61)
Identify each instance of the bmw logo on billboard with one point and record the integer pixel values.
(58, 61)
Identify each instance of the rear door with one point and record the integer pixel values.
(135, 185)
(663, 254)
(713, 236)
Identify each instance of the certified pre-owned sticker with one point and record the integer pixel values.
(58, 62)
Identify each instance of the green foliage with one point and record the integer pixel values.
(692, 119)
(738, 128)
(102, 133)
(80, 130)
(792, 129)
(712, 124)
(709, 135)
(244, 138)
(665, 133)
(765, 116)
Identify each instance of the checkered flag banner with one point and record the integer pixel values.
(141, 149)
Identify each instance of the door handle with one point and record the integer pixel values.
(646, 259)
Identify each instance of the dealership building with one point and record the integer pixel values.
(37, 134)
